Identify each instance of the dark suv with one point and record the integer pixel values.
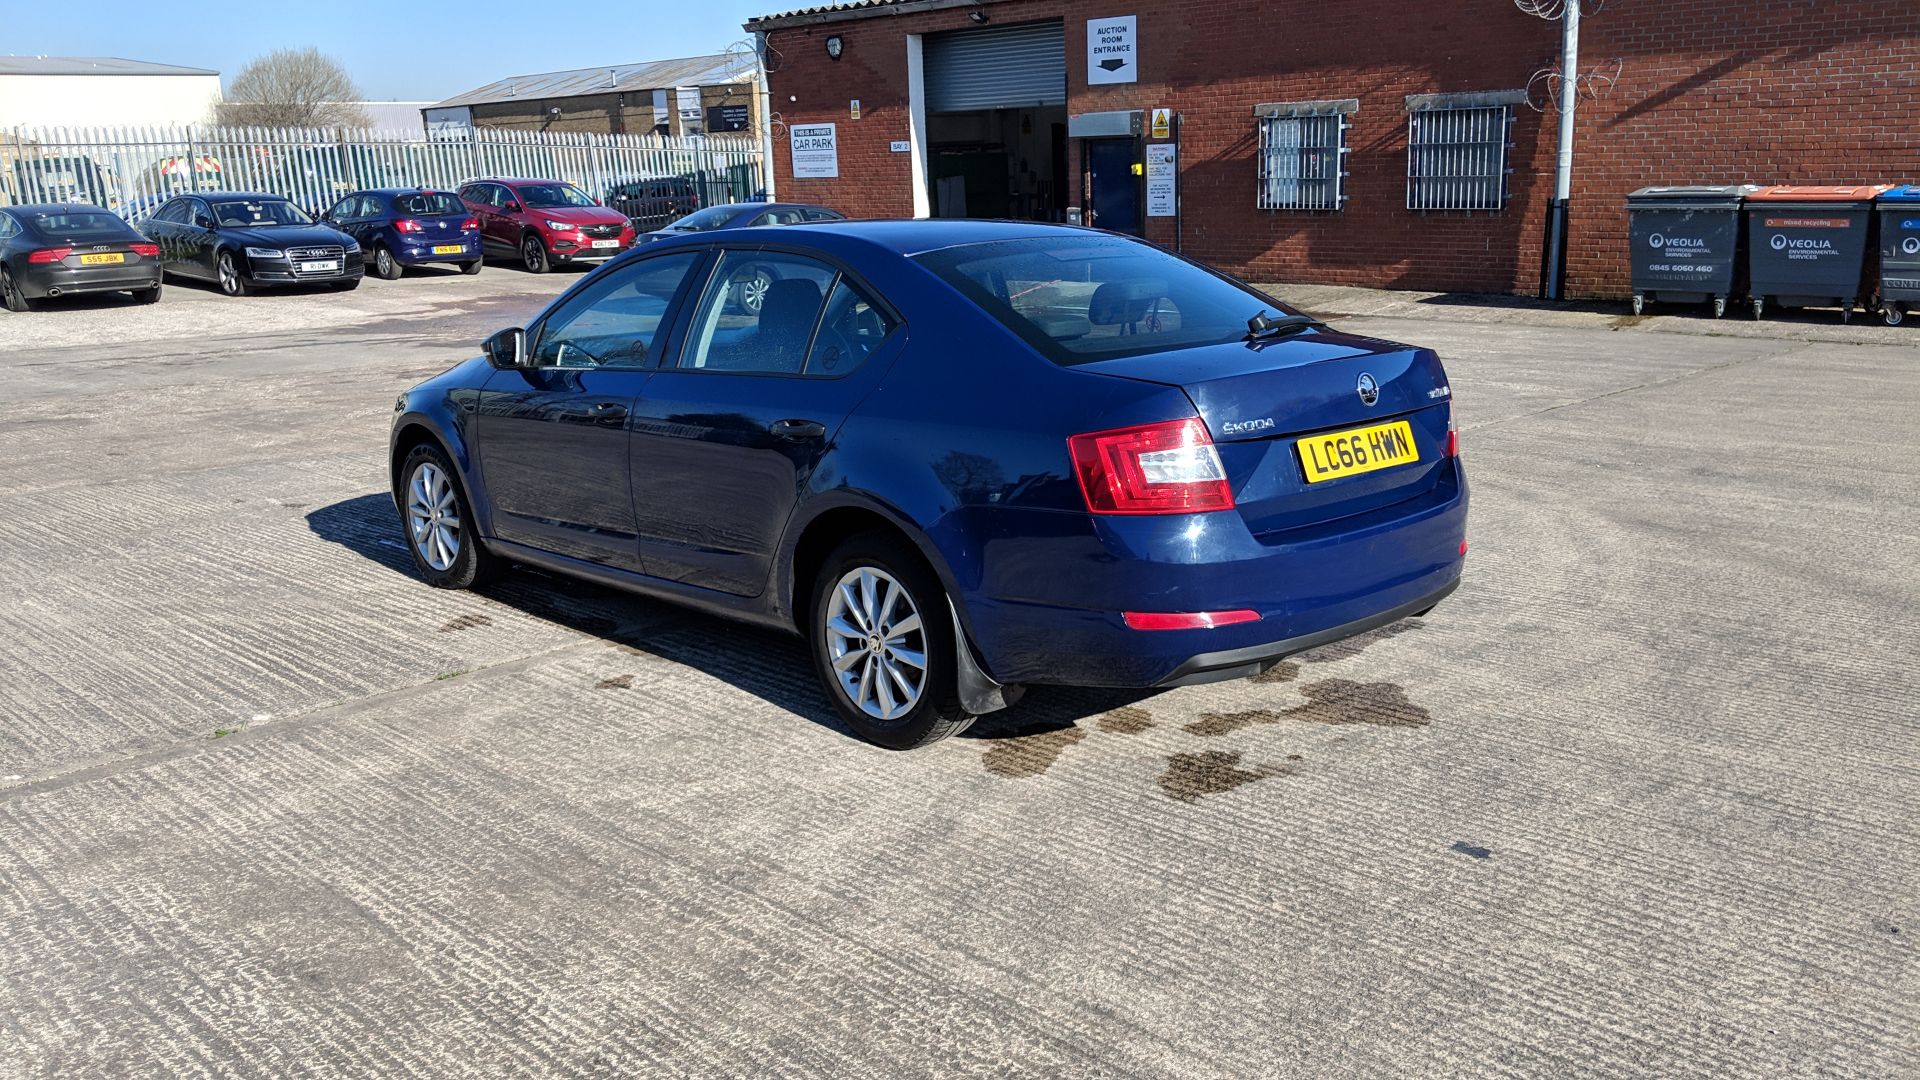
(652, 202)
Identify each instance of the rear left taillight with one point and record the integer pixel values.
(1165, 468)
(408, 225)
(1453, 441)
(49, 255)
(147, 251)
(470, 225)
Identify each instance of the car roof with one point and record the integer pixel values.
(399, 191)
(908, 236)
(512, 180)
(256, 195)
(55, 208)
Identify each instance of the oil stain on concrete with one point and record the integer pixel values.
(466, 622)
(1472, 850)
(617, 682)
(1030, 755)
(1335, 701)
(1191, 777)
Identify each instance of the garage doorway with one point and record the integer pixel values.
(996, 134)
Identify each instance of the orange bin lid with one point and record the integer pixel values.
(1840, 193)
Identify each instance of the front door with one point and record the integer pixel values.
(724, 441)
(1115, 197)
(554, 436)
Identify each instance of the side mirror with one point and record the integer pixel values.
(507, 349)
(512, 208)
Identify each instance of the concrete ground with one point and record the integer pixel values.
(1638, 801)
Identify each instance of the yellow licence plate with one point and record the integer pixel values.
(102, 260)
(448, 249)
(1357, 450)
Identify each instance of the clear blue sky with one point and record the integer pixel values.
(407, 51)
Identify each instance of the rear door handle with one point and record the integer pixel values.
(607, 410)
(797, 430)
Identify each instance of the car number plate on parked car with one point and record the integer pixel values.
(606, 243)
(101, 260)
(448, 249)
(1357, 450)
(317, 267)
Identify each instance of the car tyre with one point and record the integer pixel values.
(232, 282)
(385, 266)
(750, 289)
(437, 522)
(533, 253)
(877, 586)
(10, 295)
(472, 268)
(148, 296)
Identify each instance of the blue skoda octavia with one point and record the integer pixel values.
(959, 457)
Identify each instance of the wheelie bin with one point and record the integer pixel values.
(1807, 246)
(1899, 252)
(1686, 244)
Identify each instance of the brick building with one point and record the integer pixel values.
(694, 95)
(1308, 130)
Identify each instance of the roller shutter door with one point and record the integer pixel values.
(1000, 67)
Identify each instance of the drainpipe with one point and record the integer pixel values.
(1556, 276)
(766, 113)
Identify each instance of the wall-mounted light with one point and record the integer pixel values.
(835, 47)
(977, 15)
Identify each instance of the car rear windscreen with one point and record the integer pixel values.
(1079, 299)
(78, 225)
(430, 204)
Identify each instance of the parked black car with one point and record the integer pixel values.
(48, 250)
(245, 240)
(746, 215)
(652, 202)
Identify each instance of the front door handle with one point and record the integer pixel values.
(607, 410)
(797, 430)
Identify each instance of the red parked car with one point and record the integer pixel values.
(544, 223)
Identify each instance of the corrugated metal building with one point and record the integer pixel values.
(81, 91)
(689, 96)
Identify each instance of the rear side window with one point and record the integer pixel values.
(429, 204)
(759, 314)
(1079, 299)
(850, 330)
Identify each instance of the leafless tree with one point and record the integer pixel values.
(292, 88)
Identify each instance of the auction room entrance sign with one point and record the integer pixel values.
(816, 150)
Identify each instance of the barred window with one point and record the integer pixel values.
(1302, 158)
(1457, 158)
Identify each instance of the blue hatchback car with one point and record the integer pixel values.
(402, 227)
(959, 457)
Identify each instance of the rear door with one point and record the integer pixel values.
(554, 437)
(724, 440)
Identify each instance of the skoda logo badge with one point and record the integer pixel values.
(1369, 389)
(1779, 242)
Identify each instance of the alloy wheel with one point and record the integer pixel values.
(433, 516)
(753, 292)
(534, 254)
(875, 643)
(383, 262)
(229, 276)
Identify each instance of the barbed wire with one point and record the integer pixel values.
(1554, 10)
(1543, 89)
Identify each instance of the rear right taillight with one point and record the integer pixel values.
(49, 255)
(408, 225)
(470, 225)
(1165, 468)
(1453, 441)
(146, 251)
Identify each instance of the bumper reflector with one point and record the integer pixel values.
(1185, 620)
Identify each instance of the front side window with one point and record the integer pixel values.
(616, 321)
(7, 227)
(759, 314)
(553, 196)
(1085, 298)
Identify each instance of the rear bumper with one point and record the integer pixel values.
(416, 254)
(1048, 609)
(43, 280)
